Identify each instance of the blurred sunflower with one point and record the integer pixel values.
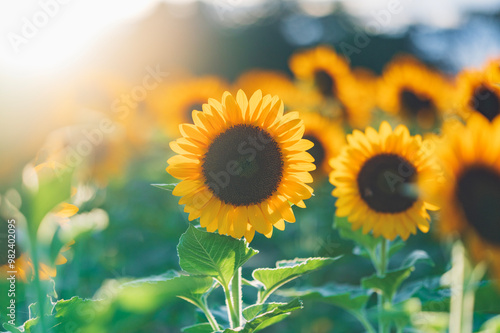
(277, 83)
(374, 177)
(493, 71)
(328, 138)
(321, 66)
(346, 95)
(414, 92)
(478, 92)
(470, 192)
(241, 164)
(173, 104)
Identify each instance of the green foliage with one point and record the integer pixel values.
(367, 241)
(209, 254)
(198, 328)
(286, 271)
(351, 298)
(166, 187)
(387, 284)
(52, 188)
(268, 315)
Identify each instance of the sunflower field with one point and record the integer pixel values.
(306, 166)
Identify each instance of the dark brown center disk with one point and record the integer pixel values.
(414, 104)
(383, 183)
(478, 193)
(325, 83)
(243, 165)
(486, 102)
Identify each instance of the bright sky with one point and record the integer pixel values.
(43, 35)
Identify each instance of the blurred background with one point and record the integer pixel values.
(81, 63)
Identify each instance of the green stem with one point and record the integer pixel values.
(362, 319)
(211, 319)
(457, 276)
(38, 286)
(236, 297)
(382, 267)
(229, 305)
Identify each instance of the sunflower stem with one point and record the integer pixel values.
(381, 269)
(38, 286)
(229, 305)
(211, 319)
(236, 297)
(362, 319)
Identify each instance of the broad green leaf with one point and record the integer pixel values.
(53, 188)
(345, 230)
(198, 328)
(209, 254)
(166, 187)
(389, 283)
(149, 293)
(286, 271)
(268, 318)
(254, 310)
(417, 256)
(491, 325)
(394, 247)
(347, 297)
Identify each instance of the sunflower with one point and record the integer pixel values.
(478, 92)
(470, 192)
(493, 71)
(328, 138)
(374, 177)
(414, 92)
(173, 104)
(346, 95)
(277, 83)
(321, 66)
(242, 163)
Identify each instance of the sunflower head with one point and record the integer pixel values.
(322, 67)
(173, 103)
(374, 178)
(478, 92)
(470, 192)
(242, 163)
(414, 92)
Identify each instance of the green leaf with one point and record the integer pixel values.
(491, 325)
(53, 188)
(149, 293)
(389, 283)
(286, 271)
(209, 254)
(198, 328)
(345, 230)
(351, 298)
(417, 256)
(269, 318)
(166, 187)
(257, 309)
